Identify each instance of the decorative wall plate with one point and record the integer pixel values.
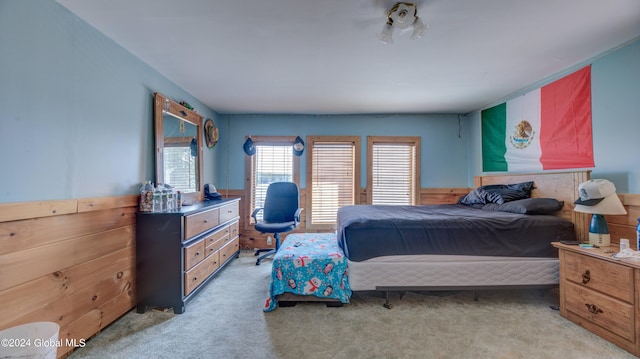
(210, 133)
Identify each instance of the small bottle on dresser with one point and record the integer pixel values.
(638, 236)
(624, 244)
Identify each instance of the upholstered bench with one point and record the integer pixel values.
(308, 267)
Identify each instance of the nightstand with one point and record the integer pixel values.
(600, 293)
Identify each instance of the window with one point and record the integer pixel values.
(393, 164)
(273, 162)
(180, 163)
(333, 177)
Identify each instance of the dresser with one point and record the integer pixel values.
(177, 253)
(600, 293)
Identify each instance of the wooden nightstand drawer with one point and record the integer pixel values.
(193, 254)
(200, 222)
(610, 278)
(613, 315)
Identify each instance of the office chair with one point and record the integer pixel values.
(281, 213)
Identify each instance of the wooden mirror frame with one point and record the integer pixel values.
(163, 104)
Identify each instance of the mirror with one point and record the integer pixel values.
(178, 148)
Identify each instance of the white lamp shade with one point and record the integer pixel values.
(609, 205)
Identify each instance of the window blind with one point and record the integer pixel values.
(393, 173)
(271, 163)
(333, 166)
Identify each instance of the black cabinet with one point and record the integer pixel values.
(177, 253)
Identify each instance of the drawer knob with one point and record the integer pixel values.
(593, 309)
(206, 221)
(195, 279)
(197, 254)
(586, 277)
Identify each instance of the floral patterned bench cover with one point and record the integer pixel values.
(309, 264)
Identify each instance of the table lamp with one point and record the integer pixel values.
(598, 197)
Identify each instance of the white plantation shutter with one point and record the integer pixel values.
(271, 163)
(333, 179)
(394, 172)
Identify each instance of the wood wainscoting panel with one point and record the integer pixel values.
(71, 262)
(442, 195)
(43, 260)
(98, 203)
(30, 233)
(624, 226)
(41, 292)
(25, 210)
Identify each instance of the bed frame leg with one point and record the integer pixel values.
(475, 295)
(387, 304)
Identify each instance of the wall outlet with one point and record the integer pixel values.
(269, 240)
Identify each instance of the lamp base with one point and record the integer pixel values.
(599, 231)
(600, 239)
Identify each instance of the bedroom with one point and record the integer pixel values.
(78, 109)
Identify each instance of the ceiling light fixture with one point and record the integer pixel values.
(402, 15)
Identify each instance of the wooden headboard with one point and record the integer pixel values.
(562, 186)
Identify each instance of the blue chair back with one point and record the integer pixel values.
(281, 202)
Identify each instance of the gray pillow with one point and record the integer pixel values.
(527, 206)
(497, 193)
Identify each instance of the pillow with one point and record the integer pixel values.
(527, 206)
(497, 193)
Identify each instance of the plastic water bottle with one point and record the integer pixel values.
(164, 198)
(157, 200)
(638, 236)
(171, 203)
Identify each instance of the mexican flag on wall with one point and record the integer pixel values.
(546, 129)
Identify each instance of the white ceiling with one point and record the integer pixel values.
(323, 56)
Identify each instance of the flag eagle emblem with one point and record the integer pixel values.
(522, 135)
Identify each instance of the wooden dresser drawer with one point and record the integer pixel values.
(610, 278)
(194, 277)
(229, 249)
(234, 230)
(193, 254)
(228, 212)
(614, 315)
(217, 237)
(200, 222)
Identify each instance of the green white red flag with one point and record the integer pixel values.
(548, 128)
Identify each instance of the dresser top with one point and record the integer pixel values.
(197, 207)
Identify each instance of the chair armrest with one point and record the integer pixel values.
(296, 216)
(255, 213)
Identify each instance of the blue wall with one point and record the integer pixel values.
(75, 108)
(615, 96)
(443, 143)
(76, 117)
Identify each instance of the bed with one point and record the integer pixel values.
(462, 246)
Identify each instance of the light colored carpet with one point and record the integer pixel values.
(225, 320)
